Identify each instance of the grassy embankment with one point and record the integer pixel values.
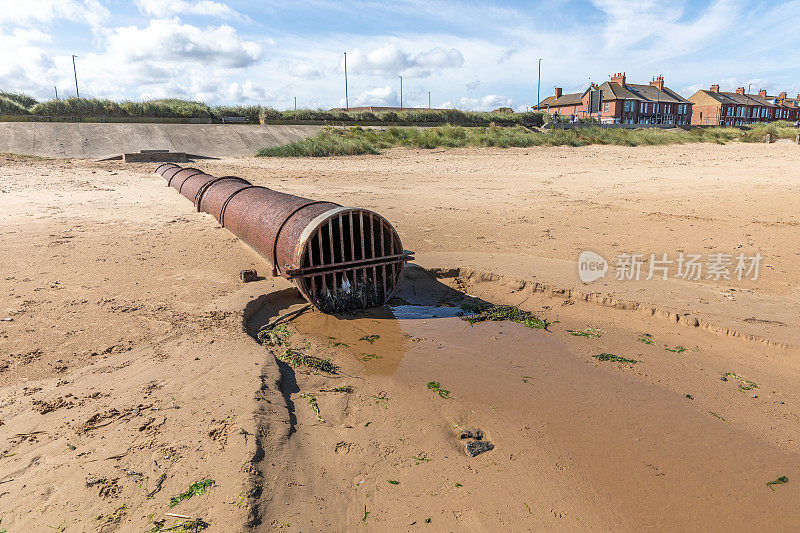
(354, 141)
(21, 105)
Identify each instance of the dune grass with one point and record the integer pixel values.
(20, 104)
(357, 140)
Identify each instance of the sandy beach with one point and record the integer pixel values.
(129, 367)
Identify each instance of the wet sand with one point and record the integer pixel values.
(129, 369)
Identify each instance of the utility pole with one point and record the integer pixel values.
(56, 89)
(295, 103)
(74, 71)
(539, 86)
(429, 99)
(346, 100)
(401, 92)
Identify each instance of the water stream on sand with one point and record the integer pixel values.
(639, 449)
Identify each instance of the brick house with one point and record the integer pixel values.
(624, 103)
(715, 107)
(788, 108)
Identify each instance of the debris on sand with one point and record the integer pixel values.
(195, 489)
(476, 434)
(744, 384)
(645, 338)
(312, 401)
(248, 275)
(478, 447)
(779, 481)
(296, 358)
(614, 358)
(590, 332)
(677, 349)
(499, 313)
(370, 338)
(444, 393)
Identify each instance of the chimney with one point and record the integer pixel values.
(558, 92)
(658, 83)
(798, 96)
(619, 77)
(782, 95)
(740, 90)
(762, 93)
(714, 88)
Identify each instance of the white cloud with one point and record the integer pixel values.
(308, 71)
(170, 40)
(379, 96)
(390, 59)
(32, 12)
(168, 8)
(485, 103)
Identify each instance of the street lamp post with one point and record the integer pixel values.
(539, 86)
(401, 92)
(346, 99)
(429, 99)
(75, 72)
(295, 103)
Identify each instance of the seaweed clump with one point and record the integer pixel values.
(500, 313)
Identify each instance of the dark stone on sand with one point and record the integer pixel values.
(478, 447)
(476, 434)
(248, 275)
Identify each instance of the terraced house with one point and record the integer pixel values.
(623, 103)
(715, 107)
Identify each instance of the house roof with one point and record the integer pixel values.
(719, 97)
(654, 94)
(563, 100)
(760, 100)
(741, 99)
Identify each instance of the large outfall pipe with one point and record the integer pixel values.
(340, 258)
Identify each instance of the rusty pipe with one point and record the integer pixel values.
(339, 257)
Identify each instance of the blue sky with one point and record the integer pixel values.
(470, 55)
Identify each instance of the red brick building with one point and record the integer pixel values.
(624, 103)
(715, 107)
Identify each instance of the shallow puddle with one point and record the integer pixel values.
(643, 449)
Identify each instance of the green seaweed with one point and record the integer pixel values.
(296, 358)
(614, 358)
(444, 393)
(381, 397)
(500, 313)
(779, 481)
(715, 415)
(368, 356)
(370, 338)
(312, 401)
(645, 338)
(744, 384)
(195, 489)
(677, 349)
(392, 481)
(590, 332)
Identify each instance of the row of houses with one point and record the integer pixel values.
(619, 102)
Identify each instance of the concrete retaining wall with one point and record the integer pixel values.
(62, 139)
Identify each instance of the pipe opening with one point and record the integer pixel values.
(352, 260)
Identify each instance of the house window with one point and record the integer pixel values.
(605, 106)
